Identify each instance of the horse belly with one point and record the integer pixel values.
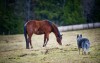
(39, 32)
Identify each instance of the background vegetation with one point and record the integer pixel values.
(14, 13)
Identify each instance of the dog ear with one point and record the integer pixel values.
(80, 35)
(77, 35)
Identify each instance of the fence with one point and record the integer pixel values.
(78, 27)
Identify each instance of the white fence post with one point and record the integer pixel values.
(78, 27)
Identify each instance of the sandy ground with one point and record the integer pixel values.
(12, 48)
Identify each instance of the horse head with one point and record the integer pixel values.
(59, 40)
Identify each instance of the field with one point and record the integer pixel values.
(12, 48)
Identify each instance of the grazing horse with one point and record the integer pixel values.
(39, 27)
(83, 43)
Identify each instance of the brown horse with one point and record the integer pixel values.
(40, 27)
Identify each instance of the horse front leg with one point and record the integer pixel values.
(46, 39)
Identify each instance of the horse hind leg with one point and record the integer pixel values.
(29, 39)
(31, 44)
(27, 44)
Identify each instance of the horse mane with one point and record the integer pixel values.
(55, 29)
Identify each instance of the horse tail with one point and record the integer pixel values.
(25, 35)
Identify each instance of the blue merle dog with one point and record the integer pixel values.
(84, 44)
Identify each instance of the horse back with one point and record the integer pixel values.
(39, 27)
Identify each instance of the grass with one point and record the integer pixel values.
(12, 48)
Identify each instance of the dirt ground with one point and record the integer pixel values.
(12, 48)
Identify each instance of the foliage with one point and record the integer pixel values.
(14, 13)
(9, 22)
(65, 11)
(96, 11)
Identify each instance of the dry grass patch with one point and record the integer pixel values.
(12, 48)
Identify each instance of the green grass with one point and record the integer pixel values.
(12, 48)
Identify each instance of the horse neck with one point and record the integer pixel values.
(56, 31)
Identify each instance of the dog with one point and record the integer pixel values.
(84, 44)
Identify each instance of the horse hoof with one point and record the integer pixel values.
(31, 47)
(27, 47)
(44, 45)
